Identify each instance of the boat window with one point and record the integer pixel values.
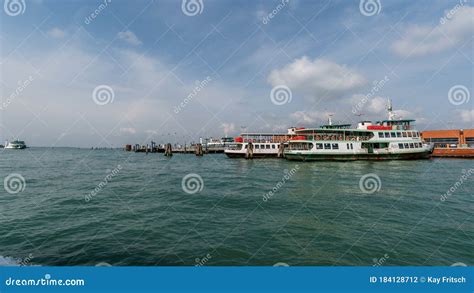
(335, 146)
(257, 146)
(404, 134)
(387, 134)
(407, 146)
(380, 134)
(268, 146)
(400, 145)
(393, 134)
(273, 146)
(348, 147)
(327, 146)
(399, 134)
(319, 146)
(246, 146)
(410, 134)
(412, 146)
(352, 146)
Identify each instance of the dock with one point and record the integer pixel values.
(454, 143)
(169, 149)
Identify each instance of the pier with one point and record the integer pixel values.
(168, 149)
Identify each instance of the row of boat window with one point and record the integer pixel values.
(410, 145)
(333, 146)
(398, 134)
(262, 146)
(304, 146)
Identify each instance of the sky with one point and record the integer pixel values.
(110, 72)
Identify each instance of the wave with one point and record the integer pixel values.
(9, 261)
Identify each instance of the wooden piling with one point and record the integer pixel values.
(249, 153)
(198, 150)
(168, 150)
(281, 149)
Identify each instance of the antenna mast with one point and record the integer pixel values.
(391, 115)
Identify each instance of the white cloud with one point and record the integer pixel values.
(129, 37)
(151, 132)
(128, 130)
(228, 128)
(454, 28)
(56, 33)
(308, 117)
(317, 78)
(362, 104)
(467, 116)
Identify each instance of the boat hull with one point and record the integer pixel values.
(255, 155)
(15, 147)
(355, 157)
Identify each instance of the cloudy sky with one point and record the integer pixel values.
(110, 72)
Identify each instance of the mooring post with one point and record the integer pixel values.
(198, 150)
(281, 148)
(249, 153)
(168, 150)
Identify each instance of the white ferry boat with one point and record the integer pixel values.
(16, 144)
(260, 145)
(385, 140)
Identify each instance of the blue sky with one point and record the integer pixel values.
(145, 70)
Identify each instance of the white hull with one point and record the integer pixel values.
(259, 150)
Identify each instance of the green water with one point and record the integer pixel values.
(137, 212)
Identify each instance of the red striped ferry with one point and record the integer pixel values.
(385, 140)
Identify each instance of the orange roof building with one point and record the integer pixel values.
(451, 143)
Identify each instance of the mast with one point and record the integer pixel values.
(391, 115)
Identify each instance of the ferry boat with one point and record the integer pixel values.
(16, 144)
(213, 145)
(385, 140)
(260, 145)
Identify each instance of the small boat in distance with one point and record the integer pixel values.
(16, 144)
